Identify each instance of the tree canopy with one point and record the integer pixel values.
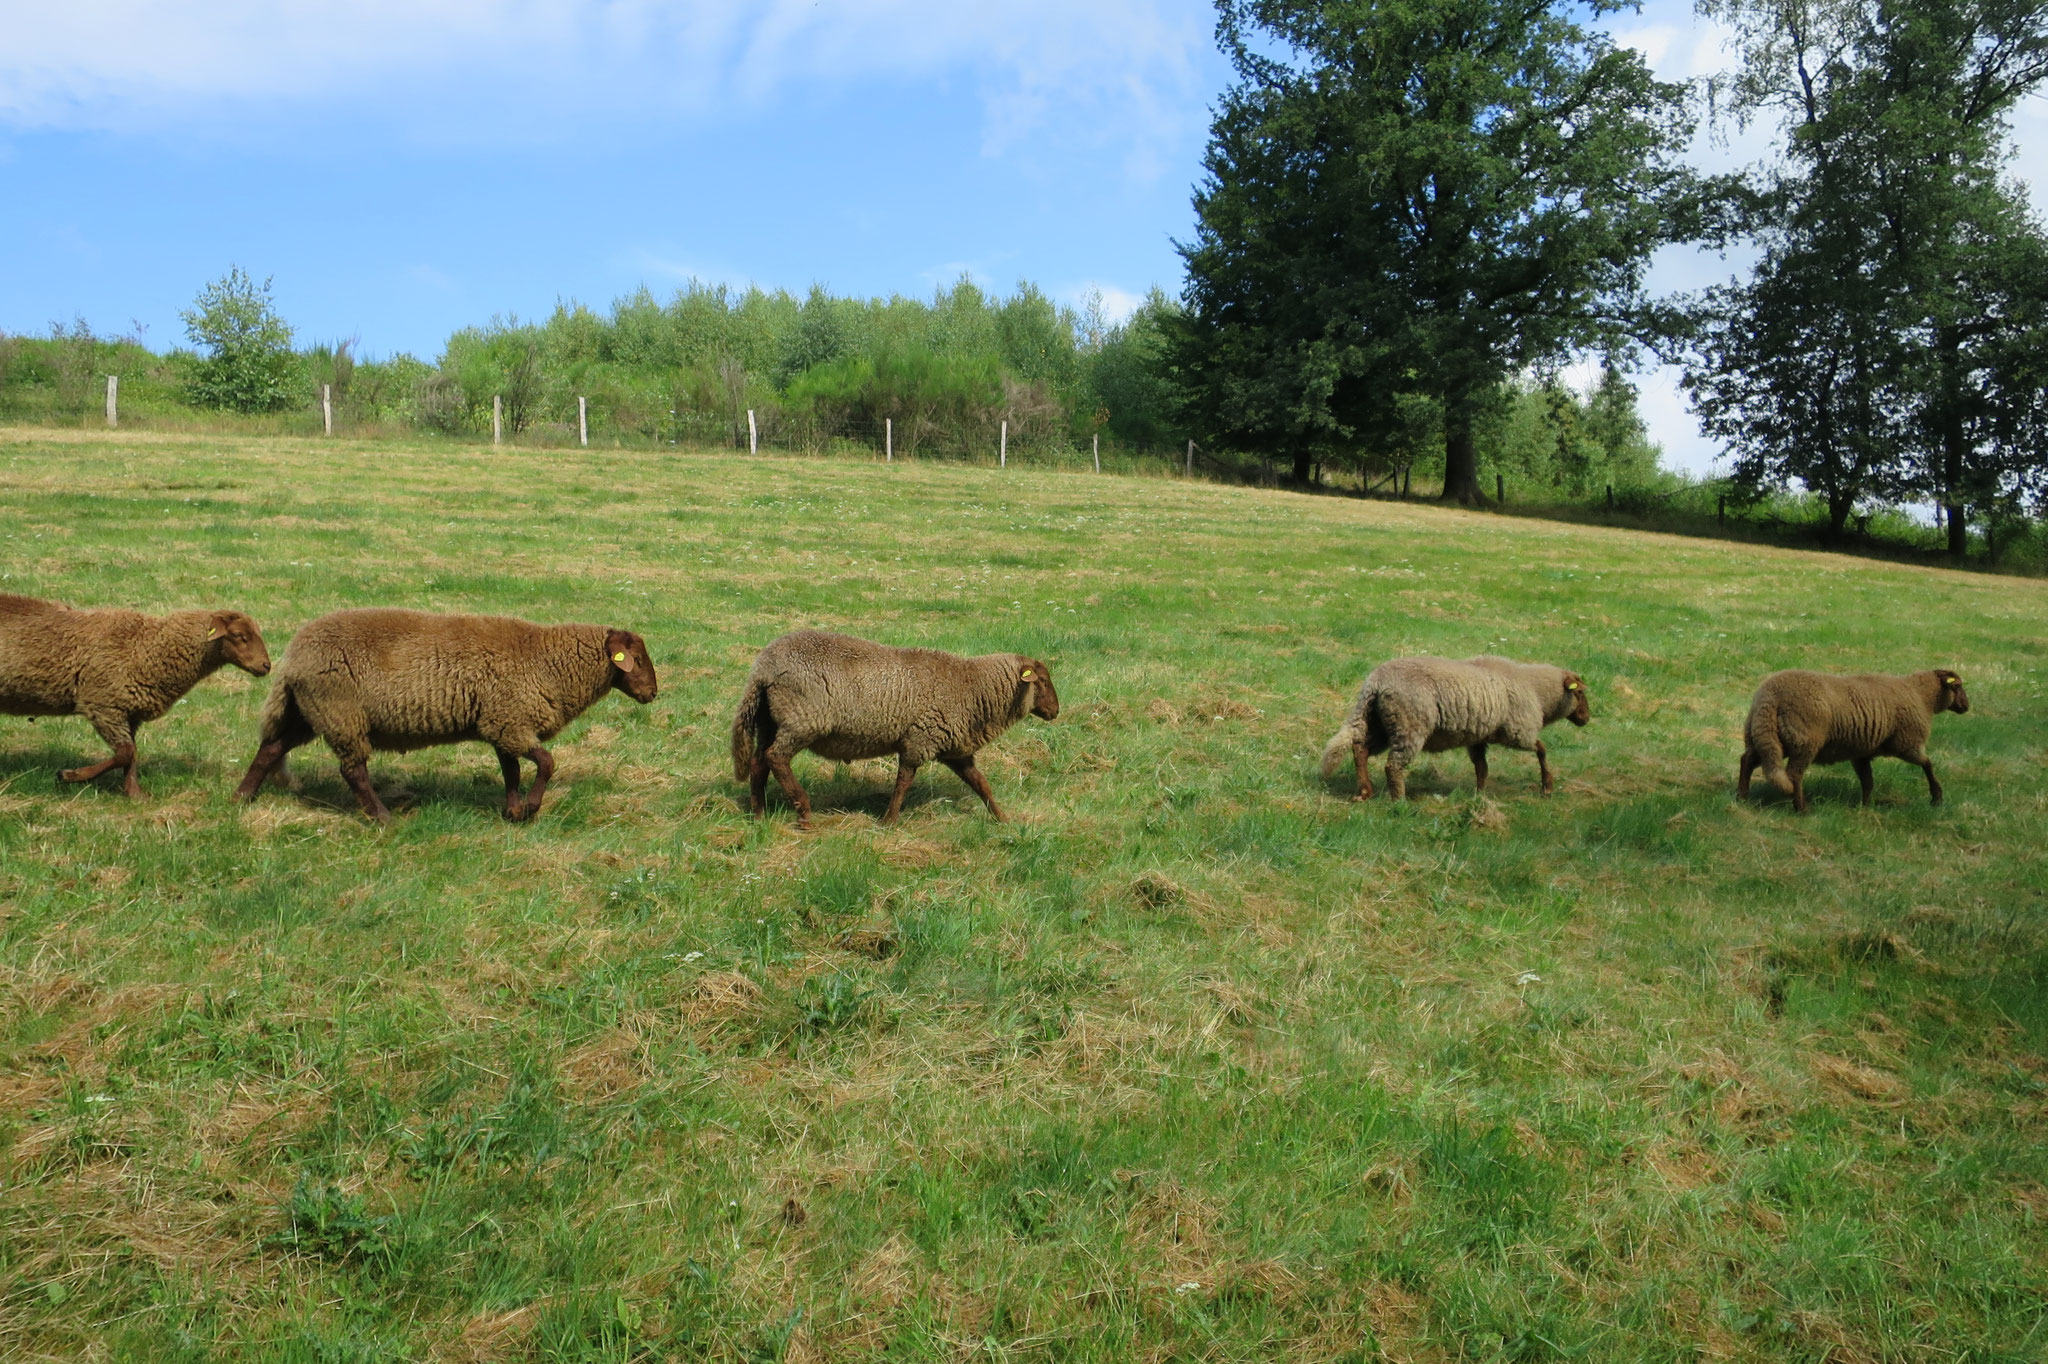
(1412, 197)
(1890, 342)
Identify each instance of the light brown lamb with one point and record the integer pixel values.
(396, 680)
(1410, 706)
(846, 699)
(119, 669)
(1798, 718)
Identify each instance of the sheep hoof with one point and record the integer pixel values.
(520, 812)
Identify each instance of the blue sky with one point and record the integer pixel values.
(406, 167)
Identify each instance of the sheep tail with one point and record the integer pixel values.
(1768, 747)
(744, 728)
(277, 707)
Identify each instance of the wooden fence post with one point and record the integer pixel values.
(113, 388)
(1003, 451)
(1500, 489)
(497, 419)
(327, 409)
(583, 419)
(1190, 471)
(888, 440)
(753, 435)
(1098, 452)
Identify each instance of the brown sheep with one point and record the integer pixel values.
(398, 680)
(1799, 718)
(1409, 706)
(119, 669)
(846, 699)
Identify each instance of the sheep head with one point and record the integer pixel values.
(632, 669)
(1952, 696)
(239, 642)
(1034, 682)
(1575, 697)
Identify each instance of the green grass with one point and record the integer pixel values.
(1195, 1059)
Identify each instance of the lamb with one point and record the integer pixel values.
(1426, 705)
(119, 669)
(1798, 718)
(399, 680)
(847, 699)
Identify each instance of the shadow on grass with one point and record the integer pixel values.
(26, 771)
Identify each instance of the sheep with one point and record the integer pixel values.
(1798, 718)
(846, 699)
(119, 669)
(1426, 705)
(399, 680)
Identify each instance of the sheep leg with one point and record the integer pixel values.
(778, 763)
(543, 768)
(1749, 766)
(357, 775)
(1543, 766)
(971, 774)
(1477, 753)
(1397, 777)
(1933, 786)
(905, 770)
(1796, 770)
(757, 785)
(508, 767)
(1360, 756)
(119, 734)
(1862, 766)
(268, 757)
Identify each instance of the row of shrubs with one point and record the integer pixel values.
(946, 373)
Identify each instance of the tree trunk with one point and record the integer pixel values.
(1461, 461)
(1952, 442)
(1839, 508)
(1301, 459)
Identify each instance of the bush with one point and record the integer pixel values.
(249, 365)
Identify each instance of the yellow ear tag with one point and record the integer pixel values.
(213, 632)
(1027, 674)
(618, 658)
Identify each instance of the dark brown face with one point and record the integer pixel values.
(1045, 702)
(1575, 692)
(632, 669)
(240, 644)
(1953, 697)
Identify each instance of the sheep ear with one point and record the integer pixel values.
(218, 626)
(622, 655)
(1029, 675)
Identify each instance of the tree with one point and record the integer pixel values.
(1799, 375)
(1891, 234)
(1417, 197)
(249, 365)
(1129, 375)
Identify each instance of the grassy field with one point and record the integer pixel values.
(1194, 1060)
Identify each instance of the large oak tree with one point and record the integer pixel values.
(1416, 197)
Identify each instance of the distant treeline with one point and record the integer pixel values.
(816, 371)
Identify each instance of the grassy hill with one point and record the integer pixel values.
(1195, 1059)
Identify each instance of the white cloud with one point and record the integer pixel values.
(1117, 304)
(455, 70)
